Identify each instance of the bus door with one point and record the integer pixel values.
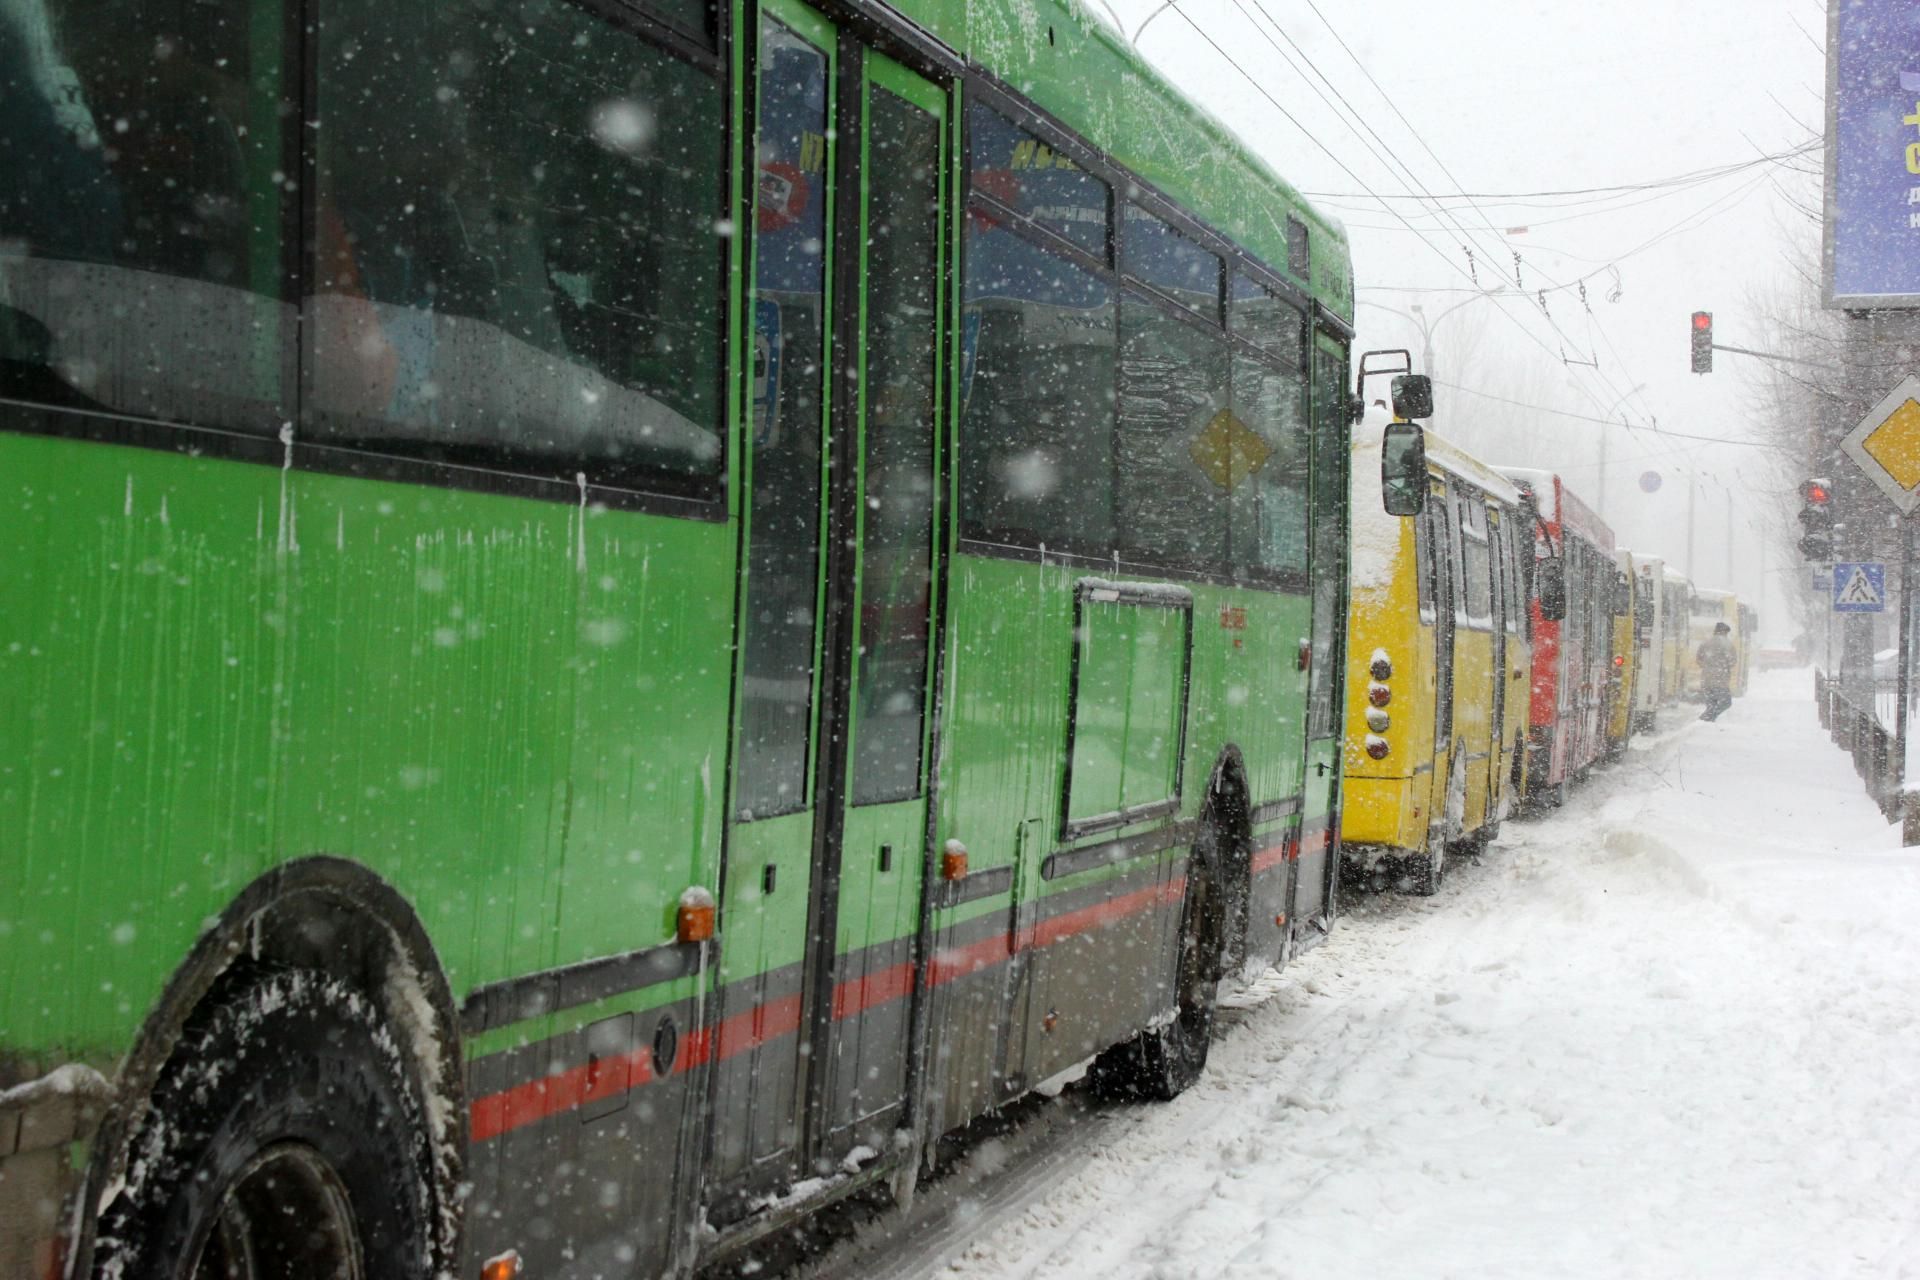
(1330, 462)
(1497, 726)
(1474, 662)
(1440, 525)
(827, 842)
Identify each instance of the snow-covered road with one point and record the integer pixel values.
(1672, 1030)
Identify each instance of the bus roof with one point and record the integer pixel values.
(1084, 75)
(1451, 458)
(1441, 453)
(1559, 505)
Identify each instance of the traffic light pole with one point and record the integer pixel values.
(1909, 796)
(1774, 355)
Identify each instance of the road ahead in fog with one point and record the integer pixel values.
(1673, 1029)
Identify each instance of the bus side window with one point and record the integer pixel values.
(520, 263)
(141, 210)
(1476, 559)
(1455, 515)
(1423, 559)
(1518, 569)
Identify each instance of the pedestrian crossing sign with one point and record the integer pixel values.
(1859, 587)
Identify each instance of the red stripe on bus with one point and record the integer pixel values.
(856, 996)
(522, 1105)
(1069, 923)
(958, 962)
(1268, 859)
(756, 1026)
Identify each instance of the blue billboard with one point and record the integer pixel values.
(1873, 153)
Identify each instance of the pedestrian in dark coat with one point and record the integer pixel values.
(1716, 671)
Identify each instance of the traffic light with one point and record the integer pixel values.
(1703, 342)
(1816, 520)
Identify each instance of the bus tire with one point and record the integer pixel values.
(1425, 871)
(1162, 1062)
(286, 1101)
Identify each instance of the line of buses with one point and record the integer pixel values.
(708, 593)
(1501, 645)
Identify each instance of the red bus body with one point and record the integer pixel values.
(1567, 722)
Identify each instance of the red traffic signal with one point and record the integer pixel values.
(1816, 519)
(1703, 342)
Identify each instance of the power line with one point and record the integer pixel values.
(1262, 90)
(1601, 208)
(1691, 178)
(1411, 180)
(1588, 417)
(1592, 324)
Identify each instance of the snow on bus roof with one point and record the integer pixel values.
(1451, 458)
(1540, 482)
(1550, 494)
(1376, 535)
(1442, 453)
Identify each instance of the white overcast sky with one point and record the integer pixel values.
(1521, 97)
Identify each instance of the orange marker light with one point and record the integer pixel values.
(504, 1267)
(953, 861)
(693, 923)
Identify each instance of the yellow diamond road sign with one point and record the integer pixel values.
(1886, 444)
(1895, 444)
(1228, 450)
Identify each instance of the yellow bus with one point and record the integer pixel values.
(1676, 630)
(1438, 666)
(1660, 634)
(1628, 658)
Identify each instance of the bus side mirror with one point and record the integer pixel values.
(1412, 395)
(1551, 583)
(1403, 469)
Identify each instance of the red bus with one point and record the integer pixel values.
(1571, 604)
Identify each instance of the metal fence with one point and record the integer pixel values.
(1863, 720)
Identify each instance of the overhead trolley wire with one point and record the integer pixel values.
(1498, 238)
(1691, 178)
(1412, 178)
(1262, 90)
(1588, 417)
(1391, 158)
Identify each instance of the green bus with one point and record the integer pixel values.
(617, 613)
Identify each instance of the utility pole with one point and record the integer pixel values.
(1728, 584)
(1690, 506)
(1606, 429)
(1601, 500)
